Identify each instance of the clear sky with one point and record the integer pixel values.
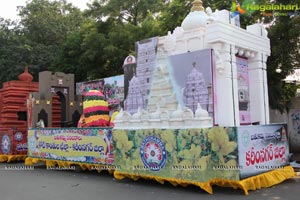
(8, 8)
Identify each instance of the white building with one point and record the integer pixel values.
(206, 29)
(214, 30)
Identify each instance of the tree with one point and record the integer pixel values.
(127, 11)
(110, 35)
(14, 51)
(173, 14)
(49, 22)
(68, 60)
(285, 53)
(46, 25)
(104, 46)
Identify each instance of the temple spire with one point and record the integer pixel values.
(197, 6)
(194, 64)
(25, 76)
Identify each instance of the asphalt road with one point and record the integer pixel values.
(40, 183)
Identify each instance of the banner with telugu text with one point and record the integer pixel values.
(262, 148)
(90, 145)
(200, 155)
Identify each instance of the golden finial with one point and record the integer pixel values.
(197, 6)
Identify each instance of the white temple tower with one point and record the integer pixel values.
(205, 29)
(134, 99)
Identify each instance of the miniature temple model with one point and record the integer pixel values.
(224, 69)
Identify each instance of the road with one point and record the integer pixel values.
(40, 183)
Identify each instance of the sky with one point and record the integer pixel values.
(8, 8)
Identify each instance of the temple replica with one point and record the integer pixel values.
(13, 114)
(55, 103)
(199, 91)
(238, 72)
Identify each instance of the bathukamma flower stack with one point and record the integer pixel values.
(95, 109)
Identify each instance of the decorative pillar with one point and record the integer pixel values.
(259, 101)
(225, 104)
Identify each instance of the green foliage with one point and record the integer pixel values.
(103, 48)
(68, 60)
(127, 11)
(14, 50)
(49, 22)
(46, 25)
(173, 15)
(284, 36)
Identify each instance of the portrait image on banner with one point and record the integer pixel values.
(129, 68)
(243, 90)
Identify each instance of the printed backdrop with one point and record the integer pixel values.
(111, 87)
(243, 90)
(187, 154)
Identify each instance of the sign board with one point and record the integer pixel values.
(262, 148)
(93, 145)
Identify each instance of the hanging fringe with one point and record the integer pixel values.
(267, 179)
(12, 158)
(69, 165)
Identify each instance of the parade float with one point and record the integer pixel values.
(195, 112)
(13, 117)
(197, 108)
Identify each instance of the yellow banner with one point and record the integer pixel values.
(65, 144)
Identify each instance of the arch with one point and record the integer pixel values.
(63, 106)
(75, 117)
(44, 116)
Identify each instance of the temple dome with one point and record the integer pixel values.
(196, 18)
(25, 76)
(200, 112)
(177, 114)
(137, 115)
